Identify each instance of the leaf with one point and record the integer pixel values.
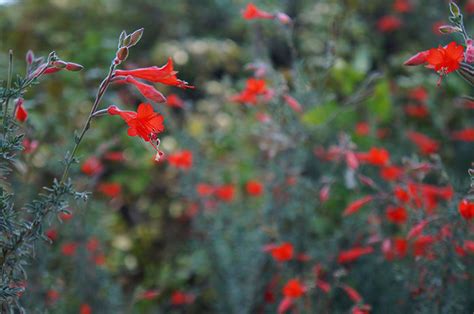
(380, 103)
(319, 114)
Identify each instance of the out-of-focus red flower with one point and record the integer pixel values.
(375, 156)
(416, 230)
(110, 189)
(281, 253)
(294, 289)
(323, 285)
(401, 194)
(92, 166)
(262, 117)
(114, 156)
(417, 59)
(466, 209)
(391, 173)
(164, 75)
(324, 193)
(419, 94)
(174, 100)
(351, 160)
(254, 188)
(352, 293)
(416, 111)
(182, 298)
(148, 91)
(283, 18)
(466, 135)
(92, 244)
(204, 189)
(144, 123)
(52, 234)
(293, 103)
(469, 246)
(251, 12)
(356, 205)
(99, 259)
(20, 112)
(64, 216)
(353, 254)
(388, 23)
(285, 305)
(361, 309)
(422, 245)
(394, 248)
(182, 160)
(225, 192)
(149, 295)
(29, 146)
(425, 144)
(254, 90)
(469, 8)
(402, 6)
(397, 215)
(85, 309)
(362, 129)
(69, 249)
(52, 296)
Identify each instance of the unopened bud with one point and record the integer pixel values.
(418, 59)
(122, 54)
(283, 18)
(59, 64)
(135, 37)
(455, 11)
(30, 56)
(74, 67)
(448, 29)
(123, 34)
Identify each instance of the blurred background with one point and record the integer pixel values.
(148, 241)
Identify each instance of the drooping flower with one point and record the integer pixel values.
(254, 188)
(356, 205)
(148, 91)
(466, 209)
(294, 289)
(425, 144)
(353, 254)
(20, 112)
(164, 75)
(144, 123)
(397, 215)
(182, 159)
(281, 253)
(92, 166)
(251, 12)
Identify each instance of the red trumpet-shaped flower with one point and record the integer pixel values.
(425, 144)
(281, 253)
(182, 160)
(144, 123)
(20, 112)
(146, 90)
(251, 12)
(164, 75)
(353, 254)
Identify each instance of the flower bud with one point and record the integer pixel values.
(74, 67)
(418, 59)
(283, 18)
(59, 64)
(123, 34)
(448, 29)
(455, 11)
(30, 56)
(135, 37)
(122, 54)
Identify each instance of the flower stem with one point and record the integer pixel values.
(100, 93)
(9, 85)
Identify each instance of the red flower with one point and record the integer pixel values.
(397, 215)
(114, 156)
(144, 123)
(92, 244)
(466, 135)
(362, 129)
(254, 88)
(388, 23)
(417, 111)
(419, 94)
(174, 101)
(294, 289)
(361, 309)
(225, 192)
(252, 12)
(446, 59)
(353, 254)
(416, 230)
(52, 296)
(422, 245)
(92, 166)
(20, 112)
(352, 293)
(29, 146)
(469, 8)
(149, 295)
(85, 309)
(418, 59)
(466, 209)
(146, 90)
(64, 216)
(469, 246)
(204, 189)
(52, 234)
(69, 249)
(401, 194)
(254, 188)
(99, 259)
(394, 248)
(375, 156)
(425, 144)
(164, 75)
(181, 298)
(183, 159)
(281, 253)
(356, 205)
(391, 173)
(402, 6)
(110, 189)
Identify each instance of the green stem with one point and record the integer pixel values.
(9, 85)
(100, 93)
